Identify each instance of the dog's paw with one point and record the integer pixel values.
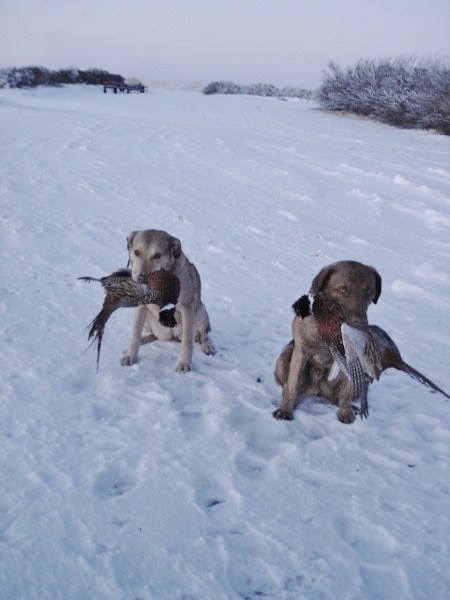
(283, 415)
(346, 415)
(208, 348)
(129, 360)
(183, 367)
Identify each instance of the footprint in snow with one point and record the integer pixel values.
(219, 501)
(250, 466)
(115, 481)
(193, 422)
(249, 567)
(196, 416)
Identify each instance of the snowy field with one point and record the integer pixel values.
(140, 483)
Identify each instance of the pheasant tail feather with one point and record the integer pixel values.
(412, 372)
(97, 330)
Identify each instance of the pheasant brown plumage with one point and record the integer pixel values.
(361, 354)
(161, 288)
(329, 318)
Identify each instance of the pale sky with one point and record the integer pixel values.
(284, 42)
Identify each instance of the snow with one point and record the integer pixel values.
(143, 483)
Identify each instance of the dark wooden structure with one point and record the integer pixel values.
(122, 87)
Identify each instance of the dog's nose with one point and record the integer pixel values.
(142, 277)
(358, 321)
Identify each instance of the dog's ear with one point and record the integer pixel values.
(130, 239)
(377, 285)
(321, 279)
(175, 247)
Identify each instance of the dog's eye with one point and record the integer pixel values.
(137, 253)
(343, 290)
(157, 255)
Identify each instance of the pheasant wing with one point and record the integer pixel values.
(359, 353)
(339, 361)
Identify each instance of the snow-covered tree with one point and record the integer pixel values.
(34, 76)
(405, 91)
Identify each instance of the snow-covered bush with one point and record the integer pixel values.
(255, 89)
(222, 87)
(406, 92)
(34, 76)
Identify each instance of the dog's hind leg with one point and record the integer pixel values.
(203, 329)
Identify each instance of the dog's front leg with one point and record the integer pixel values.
(140, 314)
(291, 386)
(187, 338)
(345, 412)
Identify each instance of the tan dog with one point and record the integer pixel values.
(152, 250)
(303, 368)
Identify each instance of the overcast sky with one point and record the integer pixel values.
(284, 42)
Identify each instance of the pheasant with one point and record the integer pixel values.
(162, 288)
(361, 354)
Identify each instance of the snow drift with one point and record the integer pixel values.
(143, 483)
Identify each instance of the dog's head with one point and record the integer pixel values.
(352, 285)
(152, 250)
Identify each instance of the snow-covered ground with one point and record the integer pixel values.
(143, 483)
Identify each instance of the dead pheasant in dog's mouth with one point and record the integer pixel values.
(122, 291)
(361, 354)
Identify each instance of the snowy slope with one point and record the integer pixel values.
(142, 483)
